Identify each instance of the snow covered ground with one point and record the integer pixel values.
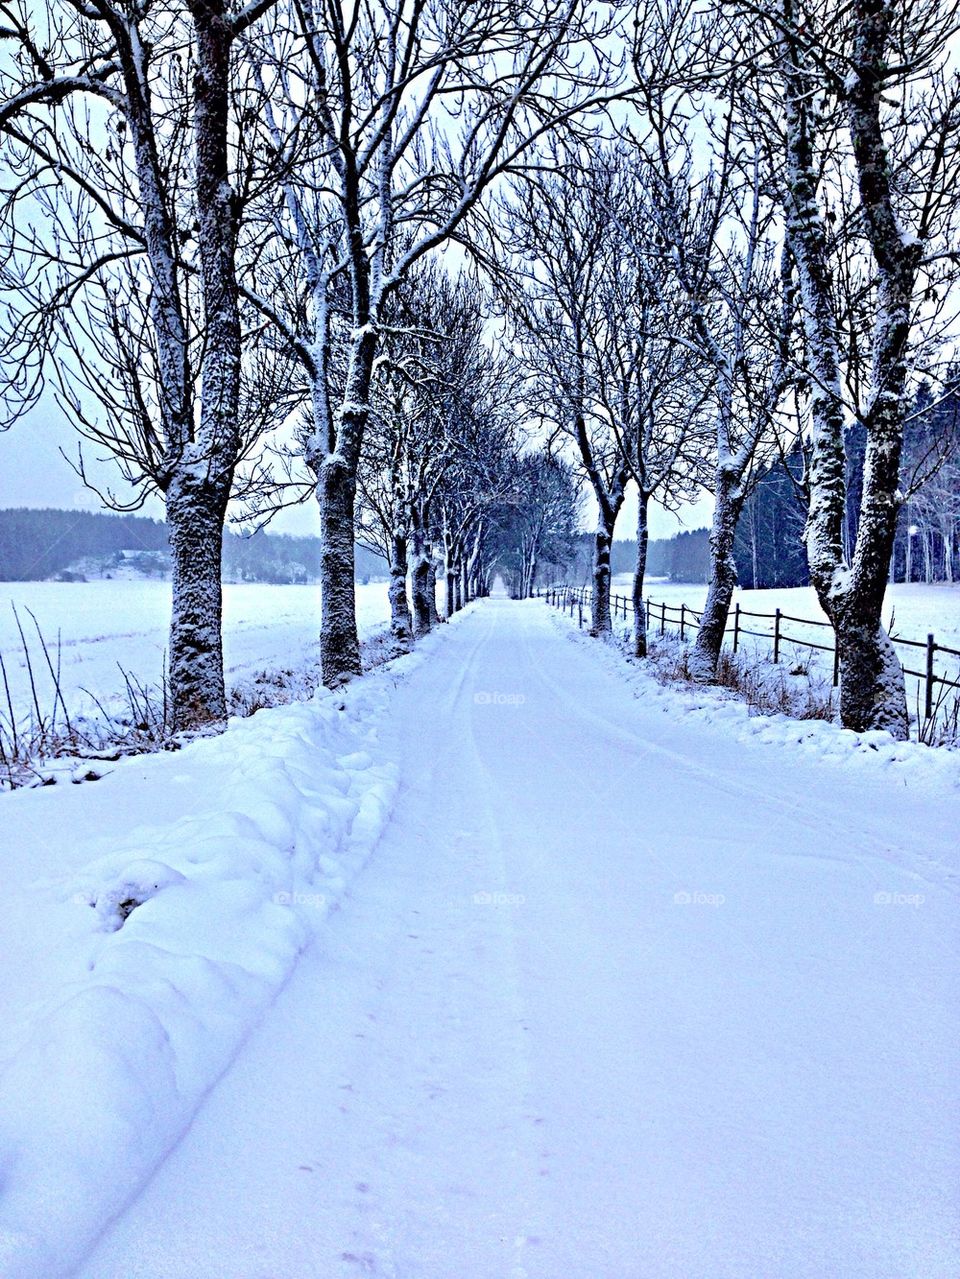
(105, 625)
(623, 990)
(915, 609)
(149, 921)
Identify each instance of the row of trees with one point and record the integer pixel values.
(212, 212)
(714, 236)
(749, 278)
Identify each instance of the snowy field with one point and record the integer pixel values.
(107, 625)
(695, 1021)
(915, 610)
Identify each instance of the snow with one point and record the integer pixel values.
(619, 992)
(915, 610)
(108, 624)
(917, 607)
(147, 927)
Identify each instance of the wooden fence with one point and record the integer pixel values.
(660, 615)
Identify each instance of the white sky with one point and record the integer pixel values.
(33, 473)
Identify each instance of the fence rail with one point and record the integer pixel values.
(683, 617)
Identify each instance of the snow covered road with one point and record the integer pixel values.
(616, 997)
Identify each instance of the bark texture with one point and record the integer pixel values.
(202, 470)
(601, 622)
(723, 579)
(339, 641)
(195, 517)
(872, 693)
(640, 572)
(401, 621)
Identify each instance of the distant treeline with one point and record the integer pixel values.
(768, 547)
(36, 545)
(682, 558)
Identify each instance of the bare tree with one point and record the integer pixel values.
(537, 524)
(556, 293)
(121, 221)
(872, 132)
(716, 225)
(441, 402)
(399, 115)
(656, 391)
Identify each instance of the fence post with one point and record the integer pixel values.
(928, 690)
(736, 627)
(836, 661)
(776, 635)
(580, 613)
(683, 618)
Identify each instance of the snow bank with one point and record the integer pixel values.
(179, 939)
(870, 752)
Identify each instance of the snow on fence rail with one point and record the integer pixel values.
(935, 684)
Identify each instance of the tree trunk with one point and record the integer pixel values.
(420, 580)
(872, 693)
(435, 617)
(401, 622)
(947, 553)
(531, 577)
(601, 623)
(871, 679)
(723, 579)
(450, 605)
(195, 520)
(339, 641)
(639, 609)
(201, 476)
